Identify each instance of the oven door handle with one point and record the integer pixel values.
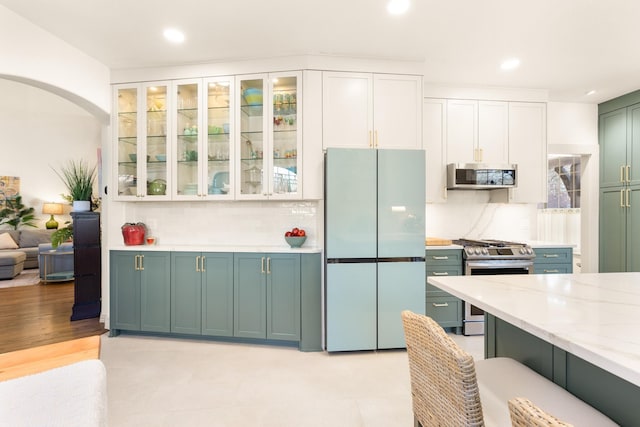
(494, 264)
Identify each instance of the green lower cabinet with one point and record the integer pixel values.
(202, 293)
(553, 261)
(267, 296)
(217, 294)
(441, 306)
(140, 291)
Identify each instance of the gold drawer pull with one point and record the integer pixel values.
(440, 273)
(445, 304)
(440, 257)
(552, 271)
(551, 255)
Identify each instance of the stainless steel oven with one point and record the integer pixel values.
(490, 257)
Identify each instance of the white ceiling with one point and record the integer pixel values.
(566, 46)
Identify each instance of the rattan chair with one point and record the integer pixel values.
(443, 378)
(525, 414)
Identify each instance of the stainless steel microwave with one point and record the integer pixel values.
(481, 176)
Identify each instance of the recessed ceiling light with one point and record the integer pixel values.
(173, 35)
(397, 7)
(510, 64)
(591, 92)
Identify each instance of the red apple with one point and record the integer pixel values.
(294, 231)
(287, 234)
(302, 233)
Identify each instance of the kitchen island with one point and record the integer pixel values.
(579, 330)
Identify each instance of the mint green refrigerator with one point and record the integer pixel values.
(374, 245)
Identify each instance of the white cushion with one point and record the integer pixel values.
(70, 396)
(6, 242)
(501, 379)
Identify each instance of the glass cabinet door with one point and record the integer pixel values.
(269, 136)
(153, 157)
(188, 146)
(285, 138)
(126, 106)
(252, 141)
(218, 147)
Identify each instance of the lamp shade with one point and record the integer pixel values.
(52, 208)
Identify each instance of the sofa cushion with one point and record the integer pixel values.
(32, 238)
(7, 242)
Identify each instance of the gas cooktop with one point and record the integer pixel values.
(495, 249)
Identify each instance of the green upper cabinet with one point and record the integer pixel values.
(140, 291)
(619, 138)
(267, 296)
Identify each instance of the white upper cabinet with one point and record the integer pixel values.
(141, 129)
(362, 110)
(528, 149)
(434, 140)
(477, 131)
(269, 136)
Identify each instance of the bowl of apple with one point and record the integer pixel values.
(296, 237)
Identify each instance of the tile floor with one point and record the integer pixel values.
(179, 382)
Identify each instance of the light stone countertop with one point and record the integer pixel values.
(219, 248)
(595, 316)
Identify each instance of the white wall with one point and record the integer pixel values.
(30, 54)
(40, 130)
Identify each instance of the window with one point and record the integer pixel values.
(563, 182)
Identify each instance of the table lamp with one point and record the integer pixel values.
(52, 209)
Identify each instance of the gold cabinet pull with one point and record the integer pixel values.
(445, 304)
(202, 264)
(629, 173)
(198, 264)
(141, 262)
(262, 267)
(370, 140)
(622, 198)
(552, 271)
(622, 173)
(269, 265)
(135, 262)
(440, 273)
(376, 141)
(550, 255)
(628, 198)
(440, 257)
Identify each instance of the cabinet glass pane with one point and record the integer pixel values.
(156, 147)
(127, 141)
(285, 141)
(252, 136)
(218, 132)
(187, 137)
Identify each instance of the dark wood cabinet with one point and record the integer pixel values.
(87, 265)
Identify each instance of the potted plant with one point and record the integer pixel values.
(79, 179)
(61, 235)
(16, 214)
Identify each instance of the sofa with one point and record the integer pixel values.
(27, 241)
(62, 384)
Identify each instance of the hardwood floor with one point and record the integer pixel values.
(40, 314)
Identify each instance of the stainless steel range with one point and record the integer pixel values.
(484, 257)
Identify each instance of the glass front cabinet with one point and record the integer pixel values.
(268, 136)
(203, 149)
(142, 130)
(233, 137)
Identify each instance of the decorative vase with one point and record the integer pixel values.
(81, 206)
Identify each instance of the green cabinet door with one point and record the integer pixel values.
(612, 230)
(613, 147)
(250, 295)
(633, 228)
(186, 292)
(125, 291)
(283, 297)
(155, 291)
(217, 294)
